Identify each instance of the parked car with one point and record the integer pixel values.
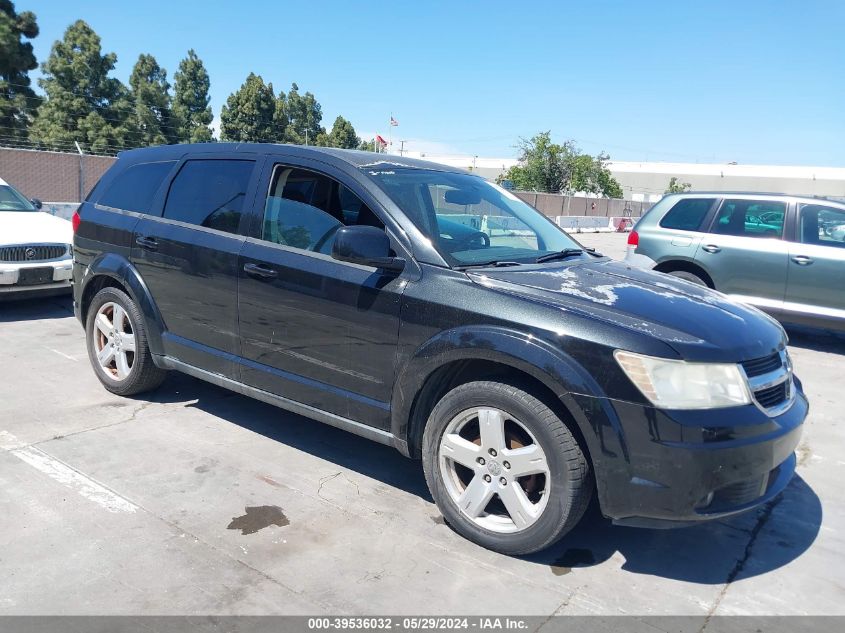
(782, 254)
(526, 373)
(35, 248)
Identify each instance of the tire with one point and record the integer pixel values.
(136, 372)
(688, 276)
(556, 498)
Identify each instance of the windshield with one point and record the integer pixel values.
(11, 200)
(469, 220)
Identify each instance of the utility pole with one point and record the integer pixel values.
(306, 137)
(401, 148)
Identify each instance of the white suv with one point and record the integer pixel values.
(35, 247)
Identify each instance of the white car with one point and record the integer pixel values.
(35, 247)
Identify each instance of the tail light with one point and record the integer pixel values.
(633, 239)
(75, 220)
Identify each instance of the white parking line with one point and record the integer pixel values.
(63, 354)
(65, 475)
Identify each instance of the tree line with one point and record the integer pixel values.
(83, 103)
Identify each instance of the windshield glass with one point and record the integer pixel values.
(469, 220)
(11, 200)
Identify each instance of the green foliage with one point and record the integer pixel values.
(343, 135)
(191, 111)
(368, 146)
(552, 168)
(676, 186)
(303, 112)
(17, 99)
(248, 115)
(83, 103)
(151, 121)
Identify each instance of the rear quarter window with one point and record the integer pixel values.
(135, 187)
(687, 214)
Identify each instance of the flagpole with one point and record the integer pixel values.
(390, 134)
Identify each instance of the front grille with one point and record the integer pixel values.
(772, 396)
(32, 252)
(760, 366)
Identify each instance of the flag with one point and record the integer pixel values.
(380, 140)
(393, 121)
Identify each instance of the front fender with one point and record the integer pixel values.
(548, 364)
(121, 270)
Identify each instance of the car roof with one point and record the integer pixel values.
(355, 158)
(759, 194)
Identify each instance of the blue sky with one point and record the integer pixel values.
(746, 81)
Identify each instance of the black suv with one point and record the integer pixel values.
(428, 309)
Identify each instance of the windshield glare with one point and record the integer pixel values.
(469, 220)
(11, 200)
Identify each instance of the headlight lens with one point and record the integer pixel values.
(677, 384)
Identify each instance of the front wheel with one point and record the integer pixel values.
(504, 470)
(117, 344)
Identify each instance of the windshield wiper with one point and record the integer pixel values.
(566, 252)
(492, 264)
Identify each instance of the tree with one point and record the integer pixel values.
(151, 122)
(83, 103)
(304, 115)
(343, 135)
(676, 186)
(248, 115)
(191, 111)
(367, 146)
(553, 168)
(17, 100)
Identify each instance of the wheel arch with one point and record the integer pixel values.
(468, 354)
(686, 265)
(113, 270)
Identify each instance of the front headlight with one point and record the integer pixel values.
(677, 384)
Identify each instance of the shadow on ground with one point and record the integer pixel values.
(59, 307)
(816, 339)
(712, 553)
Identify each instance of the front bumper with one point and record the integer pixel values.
(657, 468)
(61, 276)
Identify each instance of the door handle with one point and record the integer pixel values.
(148, 243)
(259, 271)
(802, 260)
(711, 248)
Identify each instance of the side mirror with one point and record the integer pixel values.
(36, 203)
(365, 245)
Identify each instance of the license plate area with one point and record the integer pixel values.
(35, 276)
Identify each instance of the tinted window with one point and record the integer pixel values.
(822, 225)
(750, 218)
(687, 214)
(134, 188)
(209, 193)
(305, 209)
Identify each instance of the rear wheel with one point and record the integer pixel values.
(504, 470)
(688, 276)
(117, 344)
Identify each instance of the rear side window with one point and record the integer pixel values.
(750, 218)
(687, 214)
(209, 193)
(822, 225)
(135, 187)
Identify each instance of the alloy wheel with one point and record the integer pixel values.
(494, 470)
(114, 341)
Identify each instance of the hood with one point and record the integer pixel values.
(33, 227)
(698, 323)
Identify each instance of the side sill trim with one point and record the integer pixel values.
(345, 424)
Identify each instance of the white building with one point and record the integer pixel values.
(647, 181)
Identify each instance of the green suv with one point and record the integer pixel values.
(782, 254)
